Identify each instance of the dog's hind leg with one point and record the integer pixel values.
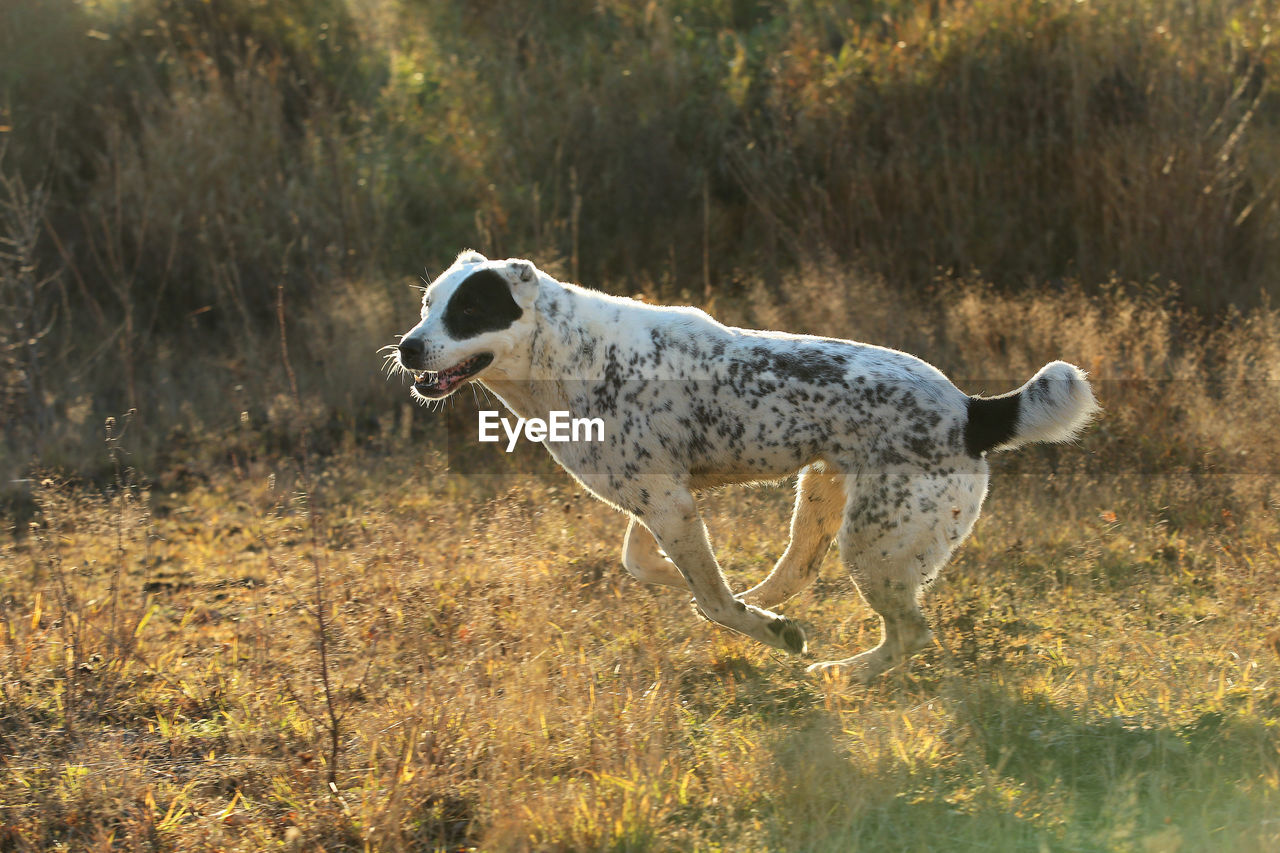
(679, 530)
(820, 502)
(642, 557)
(894, 540)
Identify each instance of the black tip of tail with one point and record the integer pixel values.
(992, 422)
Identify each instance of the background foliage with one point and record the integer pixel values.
(169, 163)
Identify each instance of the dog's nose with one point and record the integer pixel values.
(411, 351)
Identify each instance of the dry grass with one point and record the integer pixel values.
(1107, 675)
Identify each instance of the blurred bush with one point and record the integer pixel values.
(171, 163)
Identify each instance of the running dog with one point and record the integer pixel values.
(891, 455)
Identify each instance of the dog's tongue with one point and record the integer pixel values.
(443, 380)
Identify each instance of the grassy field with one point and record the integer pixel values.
(397, 645)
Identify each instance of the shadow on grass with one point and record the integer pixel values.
(1020, 773)
(1125, 778)
(736, 686)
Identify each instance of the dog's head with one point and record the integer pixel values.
(476, 316)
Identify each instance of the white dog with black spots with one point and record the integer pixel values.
(891, 455)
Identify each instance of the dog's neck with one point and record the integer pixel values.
(567, 343)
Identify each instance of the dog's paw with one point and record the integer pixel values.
(826, 667)
(790, 635)
(861, 669)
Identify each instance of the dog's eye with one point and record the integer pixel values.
(469, 312)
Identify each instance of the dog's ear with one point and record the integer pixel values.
(523, 276)
(470, 256)
(522, 270)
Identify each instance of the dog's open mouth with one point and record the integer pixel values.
(437, 384)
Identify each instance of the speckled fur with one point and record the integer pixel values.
(877, 436)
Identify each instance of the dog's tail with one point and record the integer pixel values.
(1054, 405)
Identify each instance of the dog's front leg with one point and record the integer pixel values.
(820, 501)
(678, 528)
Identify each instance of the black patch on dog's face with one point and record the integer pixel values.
(482, 303)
